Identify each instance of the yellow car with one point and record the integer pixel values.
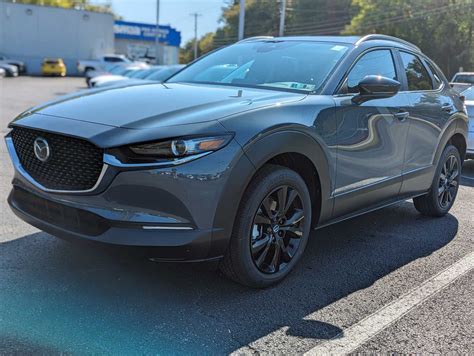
(54, 66)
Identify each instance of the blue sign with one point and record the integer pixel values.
(146, 32)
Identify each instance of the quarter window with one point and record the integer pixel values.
(437, 82)
(378, 62)
(417, 75)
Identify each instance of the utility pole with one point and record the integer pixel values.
(241, 20)
(158, 56)
(196, 15)
(282, 17)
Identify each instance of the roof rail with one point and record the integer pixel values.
(256, 38)
(386, 38)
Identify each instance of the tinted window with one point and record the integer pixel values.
(464, 78)
(286, 65)
(417, 75)
(436, 77)
(379, 62)
(113, 59)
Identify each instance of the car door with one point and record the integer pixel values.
(371, 138)
(430, 108)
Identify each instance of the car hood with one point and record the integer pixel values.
(156, 105)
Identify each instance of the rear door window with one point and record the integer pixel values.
(417, 75)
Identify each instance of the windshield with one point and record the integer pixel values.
(464, 78)
(469, 94)
(287, 65)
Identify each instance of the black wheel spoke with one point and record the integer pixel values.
(295, 232)
(263, 256)
(448, 182)
(282, 195)
(291, 198)
(297, 216)
(260, 244)
(275, 263)
(267, 207)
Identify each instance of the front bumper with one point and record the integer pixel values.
(183, 210)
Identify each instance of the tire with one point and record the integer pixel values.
(282, 238)
(444, 187)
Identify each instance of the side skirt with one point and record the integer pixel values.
(369, 210)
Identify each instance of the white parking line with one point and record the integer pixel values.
(353, 337)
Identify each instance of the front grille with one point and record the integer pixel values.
(65, 217)
(74, 164)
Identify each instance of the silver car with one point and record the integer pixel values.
(469, 97)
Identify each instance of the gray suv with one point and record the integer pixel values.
(241, 154)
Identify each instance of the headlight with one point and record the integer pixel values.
(181, 147)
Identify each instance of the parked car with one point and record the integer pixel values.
(84, 66)
(469, 101)
(2, 73)
(108, 69)
(306, 133)
(10, 70)
(155, 74)
(118, 75)
(462, 81)
(19, 64)
(53, 67)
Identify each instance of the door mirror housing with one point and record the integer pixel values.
(376, 87)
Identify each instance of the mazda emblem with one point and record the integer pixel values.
(41, 149)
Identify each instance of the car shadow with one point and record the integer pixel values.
(78, 298)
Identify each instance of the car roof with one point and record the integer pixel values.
(464, 73)
(375, 39)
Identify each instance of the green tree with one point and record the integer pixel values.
(443, 29)
(262, 18)
(205, 44)
(69, 4)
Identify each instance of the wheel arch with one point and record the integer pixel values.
(292, 149)
(302, 153)
(455, 134)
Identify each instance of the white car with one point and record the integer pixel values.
(462, 80)
(107, 78)
(84, 66)
(469, 101)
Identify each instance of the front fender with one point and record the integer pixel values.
(266, 147)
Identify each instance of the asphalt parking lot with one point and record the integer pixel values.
(62, 297)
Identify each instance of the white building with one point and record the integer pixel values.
(31, 33)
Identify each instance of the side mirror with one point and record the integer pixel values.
(376, 87)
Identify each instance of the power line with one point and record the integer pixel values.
(394, 19)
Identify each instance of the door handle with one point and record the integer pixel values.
(447, 108)
(402, 116)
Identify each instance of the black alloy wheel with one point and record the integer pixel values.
(277, 229)
(444, 187)
(271, 229)
(448, 182)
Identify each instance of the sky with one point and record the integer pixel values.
(176, 13)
